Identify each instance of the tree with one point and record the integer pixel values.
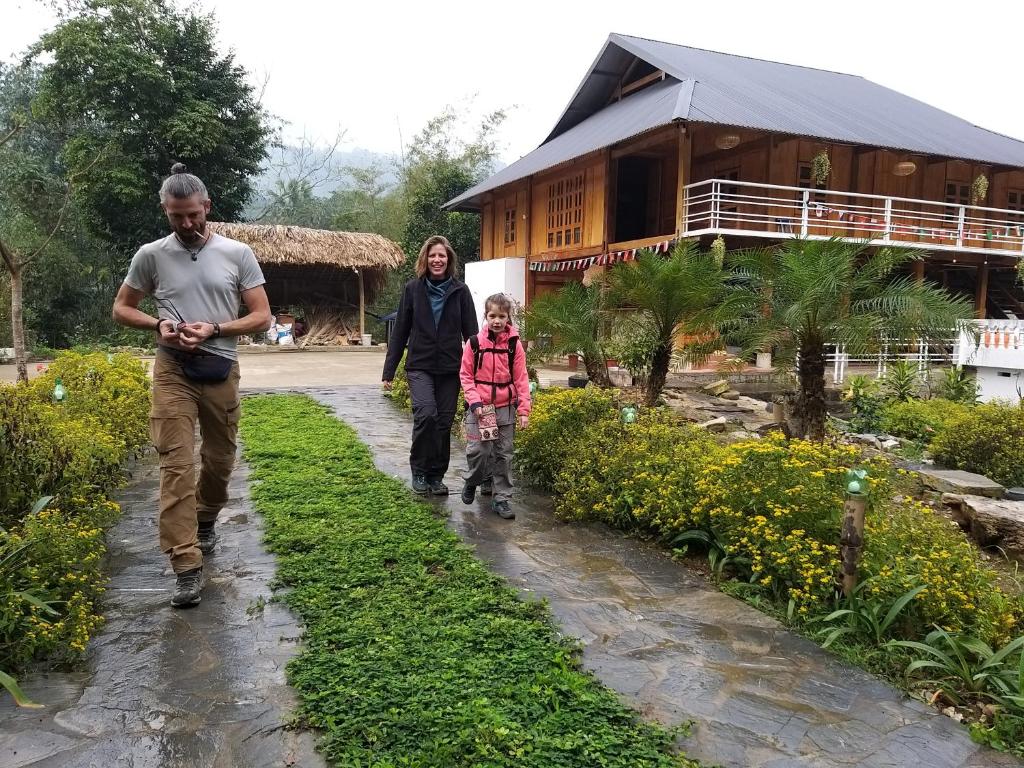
(573, 319)
(687, 294)
(438, 167)
(145, 79)
(832, 292)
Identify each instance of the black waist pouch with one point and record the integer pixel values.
(204, 369)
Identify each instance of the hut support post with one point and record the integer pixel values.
(362, 307)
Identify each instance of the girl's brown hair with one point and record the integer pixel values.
(500, 302)
(430, 242)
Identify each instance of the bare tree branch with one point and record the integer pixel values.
(12, 133)
(63, 208)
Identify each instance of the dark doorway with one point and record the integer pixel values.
(637, 198)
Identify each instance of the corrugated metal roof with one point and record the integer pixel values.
(726, 89)
(652, 107)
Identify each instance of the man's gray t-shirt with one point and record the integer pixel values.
(205, 290)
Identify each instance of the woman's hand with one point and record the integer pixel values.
(386, 383)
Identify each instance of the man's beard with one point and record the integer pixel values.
(192, 235)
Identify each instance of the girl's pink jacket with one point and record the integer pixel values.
(494, 368)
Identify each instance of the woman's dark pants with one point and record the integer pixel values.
(435, 397)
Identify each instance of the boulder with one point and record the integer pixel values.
(890, 444)
(990, 522)
(715, 425)
(732, 394)
(868, 439)
(961, 483)
(716, 388)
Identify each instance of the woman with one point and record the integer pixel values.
(435, 317)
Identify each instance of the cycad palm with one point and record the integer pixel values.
(684, 293)
(833, 292)
(572, 317)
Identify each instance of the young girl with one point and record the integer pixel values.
(494, 373)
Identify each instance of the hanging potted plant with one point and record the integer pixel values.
(821, 167)
(718, 250)
(979, 189)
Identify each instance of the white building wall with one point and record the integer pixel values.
(1000, 384)
(485, 278)
(997, 357)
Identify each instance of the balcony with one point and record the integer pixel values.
(747, 209)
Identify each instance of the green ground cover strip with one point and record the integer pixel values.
(414, 654)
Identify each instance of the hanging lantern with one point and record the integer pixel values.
(727, 140)
(904, 168)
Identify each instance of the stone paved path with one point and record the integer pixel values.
(201, 688)
(678, 649)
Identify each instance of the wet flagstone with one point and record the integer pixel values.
(677, 649)
(162, 688)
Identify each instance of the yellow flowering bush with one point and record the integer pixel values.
(557, 421)
(907, 545)
(113, 389)
(777, 504)
(644, 476)
(50, 559)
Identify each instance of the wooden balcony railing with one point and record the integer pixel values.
(748, 209)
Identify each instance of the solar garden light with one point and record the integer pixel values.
(858, 485)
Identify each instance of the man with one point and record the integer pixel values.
(197, 279)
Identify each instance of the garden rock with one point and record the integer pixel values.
(989, 521)
(868, 439)
(715, 425)
(717, 387)
(961, 483)
(732, 394)
(890, 444)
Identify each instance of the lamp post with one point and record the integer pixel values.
(852, 537)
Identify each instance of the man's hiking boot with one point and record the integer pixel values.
(420, 486)
(487, 487)
(503, 509)
(468, 494)
(438, 488)
(187, 588)
(207, 539)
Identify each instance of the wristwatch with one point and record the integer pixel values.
(159, 322)
(216, 330)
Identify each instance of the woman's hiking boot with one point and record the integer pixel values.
(420, 486)
(437, 487)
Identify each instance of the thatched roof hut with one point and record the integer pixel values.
(318, 267)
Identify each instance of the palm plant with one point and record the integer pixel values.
(684, 293)
(573, 319)
(826, 292)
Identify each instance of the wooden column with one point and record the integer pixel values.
(682, 177)
(362, 307)
(919, 270)
(981, 292)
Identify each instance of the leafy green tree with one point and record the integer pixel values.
(371, 204)
(439, 166)
(827, 292)
(145, 80)
(573, 319)
(685, 295)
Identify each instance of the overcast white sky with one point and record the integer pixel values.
(367, 67)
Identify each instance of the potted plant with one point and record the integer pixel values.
(821, 168)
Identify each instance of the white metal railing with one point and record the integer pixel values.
(769, 210)
(921, 353)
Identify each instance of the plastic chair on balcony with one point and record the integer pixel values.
(784, 225)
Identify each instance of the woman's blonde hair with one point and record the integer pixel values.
(430, 242)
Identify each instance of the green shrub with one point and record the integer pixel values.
(865, 402)
(902, 381)
(113, 389)
(557, 422)
(646, 474)
(956, 385)
(988, 439)
(920, 420)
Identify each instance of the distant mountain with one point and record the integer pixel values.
(290, 162)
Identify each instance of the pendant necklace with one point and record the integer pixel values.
(194, 254)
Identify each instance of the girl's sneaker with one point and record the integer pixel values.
(503, 509)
